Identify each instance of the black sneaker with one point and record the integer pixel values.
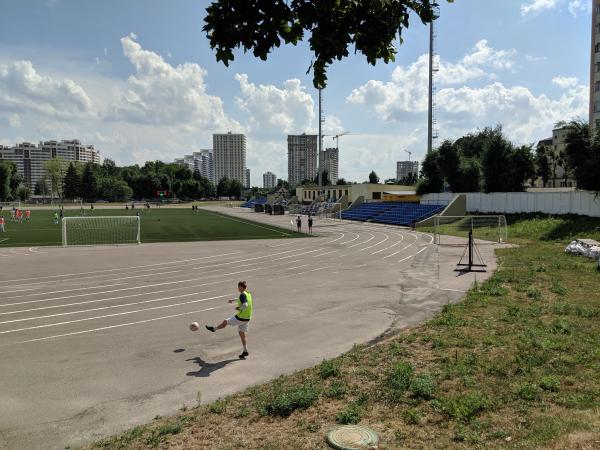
(209, 328)
(243, 355)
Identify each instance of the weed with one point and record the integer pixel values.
(412, 416)
(399, 378)
(337, 389)
(558, 288)
(218, 407)
(550, 383)
(562, 308)
(423, 386)
(528, 391)
(462, 407)
(534, 294)
(329, 368)
(560, 326)
(242, 411)
(351, 414)
(463, 434)
(282, 400)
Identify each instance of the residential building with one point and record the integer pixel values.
(302, 158)
(269, 180)
(247, 180)
(229, 153)
(329, 161)
(201, 162)
(30, 158)
(556, 160)
(595, 67)
(403, 168)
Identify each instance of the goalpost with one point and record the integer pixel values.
(446, 229)
(100, 230)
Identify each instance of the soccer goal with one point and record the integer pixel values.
(449, 230)
(100, 230)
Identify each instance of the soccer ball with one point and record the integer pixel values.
(194, 326)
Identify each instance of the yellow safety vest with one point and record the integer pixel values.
(247, 313)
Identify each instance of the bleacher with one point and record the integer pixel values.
(395, 213)
(253, 202)
(317, 207)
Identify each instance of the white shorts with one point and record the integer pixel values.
(241, 324)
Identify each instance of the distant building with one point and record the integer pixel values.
(229, 152)
(247, 180)
(595, 67)
(329, 161)
(302, 158)
(201, 162)
(30, 158)
(557, 145)
(403, 168)
(269, 180)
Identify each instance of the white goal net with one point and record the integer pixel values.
(99, 230)
(449, 230)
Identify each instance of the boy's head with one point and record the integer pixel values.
(241, 286)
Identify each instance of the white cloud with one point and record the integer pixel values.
(536, 6)
(14, 121)
(273, 111)
(565, 82)
(525, 116)
(576, 6)
(161, 94)
(22, 88)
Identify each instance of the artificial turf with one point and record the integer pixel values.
(157, 225)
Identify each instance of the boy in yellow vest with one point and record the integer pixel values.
(241, 319)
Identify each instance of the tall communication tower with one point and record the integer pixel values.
(434, 67)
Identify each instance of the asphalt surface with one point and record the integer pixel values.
(95, 340)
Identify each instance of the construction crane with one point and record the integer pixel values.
(337, 139)
(409, 154)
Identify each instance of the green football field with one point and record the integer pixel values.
(157, 225)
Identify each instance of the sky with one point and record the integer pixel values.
(138, 80)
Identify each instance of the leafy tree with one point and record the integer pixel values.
(109, 168)
(235, 189)
(55, 172)
(325, 181)
(542, 163)
(41, 187)
(72, 183)
(8, 174)
(410, 180)
(431, 175)
(23, 192)
(496, 163)
(521, 168)
(582, 151)
(470, 169)
(224, 187)
(89, 183)
(449, 163)
(341, 182)
(335, 28)
(373, 178)
(283, 184)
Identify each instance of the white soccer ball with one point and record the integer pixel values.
(194, 326)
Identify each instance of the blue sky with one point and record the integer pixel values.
(138, 80)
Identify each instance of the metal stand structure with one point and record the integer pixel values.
(472, 251)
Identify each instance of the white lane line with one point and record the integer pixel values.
(56, 336)
(102, 286)
(335, 240)
(412, 256)
(401, 250)
(120, 268)
(273, 228)
(56, 324)
(3, 239)
(362, 243)
(352, 240)
(35, 250)
(82, 311)
(326, 253)
(375, 245)
(391, 246)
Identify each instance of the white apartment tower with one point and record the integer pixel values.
(403, 168)
(201, 162)
(302, 158)
(595, 67)
(269, 180)
(30, 158)
(229, 153)
(329, 161)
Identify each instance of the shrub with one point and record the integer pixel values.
(528, 391)
(218, 407)
(329, 368)
(550, 383)
(399, 377)
(412, 416)
(283, 400)
(423, 386)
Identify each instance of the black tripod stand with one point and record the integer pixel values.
(472, 252)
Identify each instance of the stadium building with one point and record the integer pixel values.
(229, 152)
(30, 158)
(354, 192)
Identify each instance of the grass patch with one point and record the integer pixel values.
(514, 365)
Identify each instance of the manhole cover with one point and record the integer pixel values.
(352, 437)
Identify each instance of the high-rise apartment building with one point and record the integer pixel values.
(269, 180)
(403, 168)
(247, 180)
(595, 67)
(302, 158)
(30, 158)
(329, 161)
(229, 153)
(201, 162)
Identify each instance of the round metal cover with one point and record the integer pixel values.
(352, 437)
